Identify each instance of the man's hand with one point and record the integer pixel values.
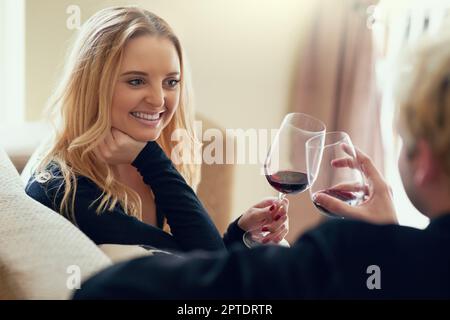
(378, 206)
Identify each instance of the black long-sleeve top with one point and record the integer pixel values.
(191, 227)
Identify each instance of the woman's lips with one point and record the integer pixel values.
(148, 120)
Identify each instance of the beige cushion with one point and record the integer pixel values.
(38, 246)
(216, 186)
(120, 252)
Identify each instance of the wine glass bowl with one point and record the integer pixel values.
(333, 170)
(285, 165)
(288, 182)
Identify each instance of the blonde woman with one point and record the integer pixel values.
(124, 92)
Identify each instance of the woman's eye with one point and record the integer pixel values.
(136, 82)
(173, 83)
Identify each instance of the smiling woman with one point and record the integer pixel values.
(148, 90)
(102, 107)
(123, 95)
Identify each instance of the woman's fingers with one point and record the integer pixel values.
(275, 224)
(259, 216)
(109, 141)
(265, 216)
(102, 151)
(281, 207)
(119, 137)
(255, 218)
(276, 236)
(266, 202)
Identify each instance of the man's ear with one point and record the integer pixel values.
(426, 167)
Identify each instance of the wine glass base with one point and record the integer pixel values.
(250, 242)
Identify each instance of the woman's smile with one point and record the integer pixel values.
(152, 120)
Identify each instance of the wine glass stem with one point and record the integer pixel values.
(281, 196)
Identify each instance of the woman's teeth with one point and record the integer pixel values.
(147, 116)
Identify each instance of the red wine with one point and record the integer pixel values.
(288, 181)
(350, 198)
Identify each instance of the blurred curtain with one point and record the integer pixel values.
(336, 78)
(336, 83)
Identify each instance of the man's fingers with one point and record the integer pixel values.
(352, 187)
(335, 206)
(344, 163)
(366, 164)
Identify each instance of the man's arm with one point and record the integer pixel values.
(267, 272)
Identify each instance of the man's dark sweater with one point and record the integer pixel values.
(340, 259)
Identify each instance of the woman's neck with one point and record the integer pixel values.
(126, 173)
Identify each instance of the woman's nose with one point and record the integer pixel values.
(155, 97)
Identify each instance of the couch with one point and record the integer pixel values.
(39, 249)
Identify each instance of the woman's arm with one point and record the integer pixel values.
(111, 227)
(189, 222)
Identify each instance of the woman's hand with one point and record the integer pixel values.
(377, 207)
(119, 148)
(269, 215)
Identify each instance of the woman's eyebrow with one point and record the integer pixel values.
(140, 73)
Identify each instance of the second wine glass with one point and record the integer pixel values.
(285, 164)
(344, 182)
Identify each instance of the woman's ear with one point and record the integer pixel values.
(426, 168)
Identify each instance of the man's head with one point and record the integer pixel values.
(423, 119)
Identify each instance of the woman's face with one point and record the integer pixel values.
(147, 92)
(407, 168)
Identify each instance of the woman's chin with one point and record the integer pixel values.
(146, 137)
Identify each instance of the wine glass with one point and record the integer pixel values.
(285, 164)
(345, 183)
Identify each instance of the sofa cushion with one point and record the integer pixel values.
(42, 254)
(121, 252)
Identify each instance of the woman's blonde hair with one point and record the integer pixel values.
(82, 103)
(423, 97)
